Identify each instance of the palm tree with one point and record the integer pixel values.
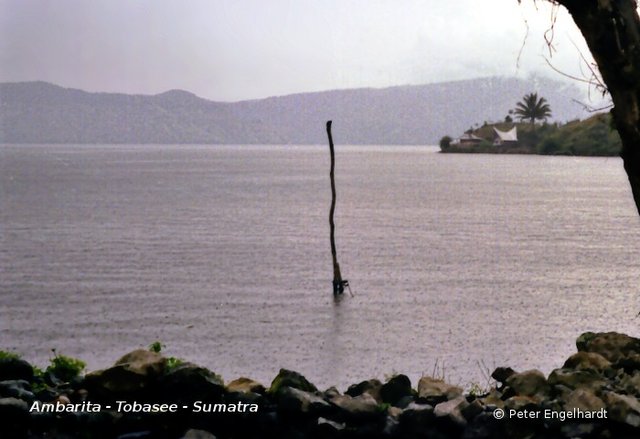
(532, 108)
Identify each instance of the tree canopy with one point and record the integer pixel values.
(532, 108)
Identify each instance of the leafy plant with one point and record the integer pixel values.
(6, 355)
(173, 362)
(65, 368)
(156, 347)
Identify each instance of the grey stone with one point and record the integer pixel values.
(433, 391)
(289, 378)
(452, 410)
(12, 368)
(395, 389)
(529, 383)
(197, 434)
(299, 401)
(623, 408)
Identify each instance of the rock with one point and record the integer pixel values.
(433, 391)
(577, 429)
(630, 363)
(15, 415)
(573, 379)
(328, 428)
(197, 434)
(395, 389)
(130, 375)
(501, 374)
(361, 408)
(189, 382)
(584, 400)
(331, 392)
(298, 401)
(415, 419)
(611, 345)
(473, 409)
(629, 384)
(245, 385)
(623, 408)
(289, 378)
(452, 411)
(529, 383)
(143, 362)
(583, 340)
(146, 434)
(372, 387)
(12, 368)
(520, 403)
(494, 398)
(20, 389)
(587, 360)
(484, 426)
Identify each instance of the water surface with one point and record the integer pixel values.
(222, 253)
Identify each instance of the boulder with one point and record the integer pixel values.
(611, 345)
(623, 408)
(328, 428)
(245, 385)
(415, 419)
(13, 368)
(130, 375)
(520, 403)
(630, 363)
(143, 362)
(452, 411)
(629, 384)
(15, 415)
(330, 392)
(361, 408)
(189, 382)
(20, 389)
(433, 391)
(397, 388)
(501, 374)
(583, 400)
(574, 379)
(587, 360)
(372, 387)
(289, 378)
(197, 434)
(529, 383)
(291, 400)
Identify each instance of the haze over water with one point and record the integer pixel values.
(222, 253)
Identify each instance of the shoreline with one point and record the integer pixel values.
(145, 394)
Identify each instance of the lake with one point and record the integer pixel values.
(458, 263)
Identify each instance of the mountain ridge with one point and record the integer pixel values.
(40, 112)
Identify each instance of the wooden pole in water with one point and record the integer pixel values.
(338, 283)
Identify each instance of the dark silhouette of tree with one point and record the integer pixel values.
(611, 29)
(532, 108)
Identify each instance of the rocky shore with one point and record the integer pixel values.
(595, 394)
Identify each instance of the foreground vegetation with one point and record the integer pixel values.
(594, 136)
(595, 394)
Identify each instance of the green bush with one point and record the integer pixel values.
(65, 368)
(6, 355)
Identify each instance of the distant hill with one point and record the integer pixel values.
(39, 112)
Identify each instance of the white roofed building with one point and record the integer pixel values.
(505, 137)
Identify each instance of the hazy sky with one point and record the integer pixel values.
(245, 49)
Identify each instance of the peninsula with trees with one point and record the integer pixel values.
(532, 134)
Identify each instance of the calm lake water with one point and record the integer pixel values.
(222, 253)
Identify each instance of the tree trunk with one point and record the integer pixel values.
(338, 283)
(611, 29)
